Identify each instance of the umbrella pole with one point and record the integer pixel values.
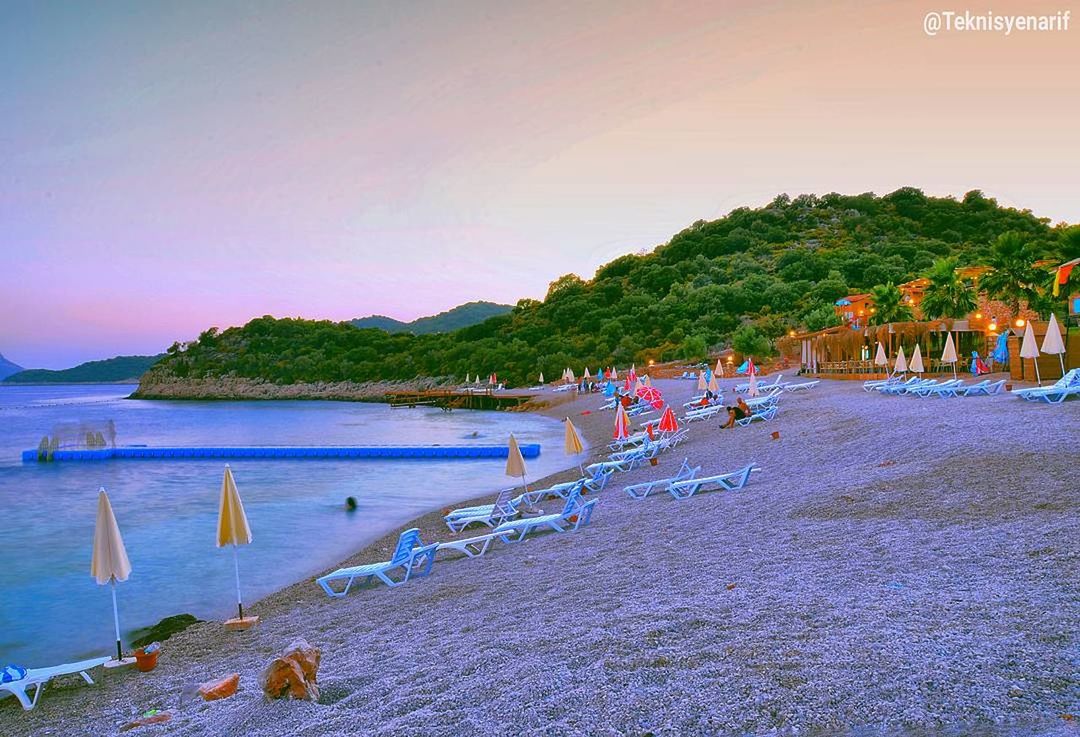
(116, 622)
(1061, 359)
(236, 565)
(1038, 379)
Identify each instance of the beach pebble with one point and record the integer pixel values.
(222, 688)
(293, 674)
(155, 719)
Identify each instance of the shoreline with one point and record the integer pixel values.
(921, 585)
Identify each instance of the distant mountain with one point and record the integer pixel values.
(462, 316)
(7, 368)
(121, 369)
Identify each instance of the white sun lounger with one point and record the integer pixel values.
(36, 678)
(1056, 393)
(793, 387)
(984, 388)
(642, 490)
(723, 482)
(582, 513)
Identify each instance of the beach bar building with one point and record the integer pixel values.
(847, 350)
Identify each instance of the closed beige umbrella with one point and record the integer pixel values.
(702, 385)
(109, 561)
(233, 530)
(572, 442)
(515, 464)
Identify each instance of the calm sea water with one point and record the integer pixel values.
(52, 610)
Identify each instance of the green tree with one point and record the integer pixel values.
(693, 348)
(820, 318)
(947, 295)
(749, 342)
(1013, 278)
(889, 305)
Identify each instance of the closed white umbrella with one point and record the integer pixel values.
(949, 354)
(900, 367)
(541, 377)
(719, 368)
(586, 375)
(1030, 349)
(1052, 342)
(880, 358)
(109, 562)
(916, 360)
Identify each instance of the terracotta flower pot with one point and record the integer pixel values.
(146, 662)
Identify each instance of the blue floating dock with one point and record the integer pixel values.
(528, 450)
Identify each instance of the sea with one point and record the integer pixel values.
(52, 610)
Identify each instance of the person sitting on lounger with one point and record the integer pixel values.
(740, 410)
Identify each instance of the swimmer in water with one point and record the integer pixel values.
(350, 504)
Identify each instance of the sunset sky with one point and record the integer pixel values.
(165, 167)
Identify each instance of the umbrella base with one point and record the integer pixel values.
(114, 663)
(238, 624)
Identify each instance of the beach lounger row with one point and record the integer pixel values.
(1068, 385)
(946, 388)
(412, 558)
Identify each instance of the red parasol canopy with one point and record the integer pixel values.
(651, 395)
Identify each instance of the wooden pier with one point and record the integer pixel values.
(451, 399)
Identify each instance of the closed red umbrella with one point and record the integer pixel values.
(668, 423)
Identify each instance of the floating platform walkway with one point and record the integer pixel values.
(528, 450)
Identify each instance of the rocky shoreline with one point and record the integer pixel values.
(239, 388)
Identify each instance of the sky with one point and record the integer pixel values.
(166, 167)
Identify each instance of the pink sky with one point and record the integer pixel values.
(165, 169)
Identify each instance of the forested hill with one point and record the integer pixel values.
(459, 317)
(749, 276)
(110, 370)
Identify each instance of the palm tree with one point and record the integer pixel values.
(1012, 277)
(947, 295)
(889, 305)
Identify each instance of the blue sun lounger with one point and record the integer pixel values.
(722, 482)
(36, 678)
(558, 522)
(409, 555)
(642, 490)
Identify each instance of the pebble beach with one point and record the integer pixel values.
(899, 566)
